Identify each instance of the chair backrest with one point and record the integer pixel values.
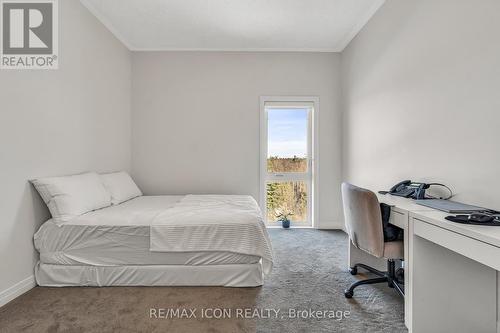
(363, 219)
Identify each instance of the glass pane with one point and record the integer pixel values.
(287, 140)
(286, 198)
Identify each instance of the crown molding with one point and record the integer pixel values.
(171, 49)
(360, 24)
(338, 49)
(87, 4)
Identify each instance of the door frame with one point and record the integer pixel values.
(314, 157)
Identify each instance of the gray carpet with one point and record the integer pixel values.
(309, 273)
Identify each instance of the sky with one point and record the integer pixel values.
(287, 132)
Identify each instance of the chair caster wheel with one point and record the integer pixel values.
(348, 294)
(353, 270)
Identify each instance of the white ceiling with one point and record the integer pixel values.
(234, 25)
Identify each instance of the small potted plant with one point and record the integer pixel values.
(284, 218)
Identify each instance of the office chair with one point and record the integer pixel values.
(363, 222)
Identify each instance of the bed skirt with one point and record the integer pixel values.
(234, 275)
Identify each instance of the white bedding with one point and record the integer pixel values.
(227, 223)
(235, 275)
(120, 235)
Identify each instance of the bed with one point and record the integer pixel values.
(192, 240)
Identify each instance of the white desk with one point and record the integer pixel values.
(453, 274)
(451, 270)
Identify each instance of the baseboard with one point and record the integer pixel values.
(17, 290)
(330, 228)
(319, 226)
(329, 225)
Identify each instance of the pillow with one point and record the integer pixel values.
(70, 196)
(120, 186)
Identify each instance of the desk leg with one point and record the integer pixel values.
(408, 291)
(498, 302)
(449, 292)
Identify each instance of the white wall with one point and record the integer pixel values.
(421, 99)
(59, 122)
(195, 118)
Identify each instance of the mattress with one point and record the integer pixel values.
(120, 235)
